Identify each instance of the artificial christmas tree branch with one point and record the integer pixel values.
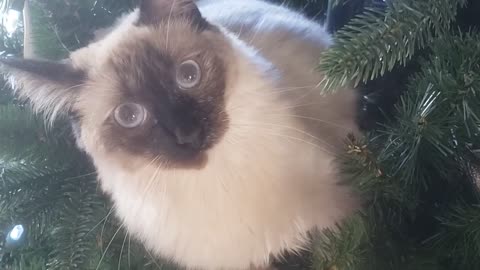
(404, 27)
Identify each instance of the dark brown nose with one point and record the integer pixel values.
(191, 137)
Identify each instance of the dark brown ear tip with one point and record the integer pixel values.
(153, 12)
(8, 59)
(11, 62)
(47, 69)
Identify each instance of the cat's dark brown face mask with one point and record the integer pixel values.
(157, 93)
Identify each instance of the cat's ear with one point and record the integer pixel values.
(51, 87)
(153, 12)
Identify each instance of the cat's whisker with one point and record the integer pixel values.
(314, 119)
(149, 184)
(326, 150)
(303, 141)
(153, 258)
(231, 141)
(80, 176)
(156, 158)
(108, 246)
(284, 126)
(324, 147)
(105, 222)
(279, 90)
(121, 251)
(163, 193)
(129, 250)
(224, 186)
(150, 181)
(270, 109)
(100, 222)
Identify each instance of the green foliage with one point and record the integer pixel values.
(316, 9)
(414, 171)
(62, 26)
(10, 43)
(343, 247)
(406, 26)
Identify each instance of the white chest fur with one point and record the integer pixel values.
(264, 186)
(242, 208)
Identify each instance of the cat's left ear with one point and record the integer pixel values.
(153, 12)
(51, 87)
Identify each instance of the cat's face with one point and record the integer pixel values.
(156, 92)
(163, 94)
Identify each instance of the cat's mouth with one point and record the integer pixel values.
(186, 158)
(186, 148)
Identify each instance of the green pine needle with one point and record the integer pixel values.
(459, 237)
(407, 25)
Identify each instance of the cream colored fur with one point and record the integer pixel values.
(272, 177)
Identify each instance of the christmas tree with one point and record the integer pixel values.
(417, 64)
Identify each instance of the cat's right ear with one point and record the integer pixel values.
(51, 87)
(153, 12)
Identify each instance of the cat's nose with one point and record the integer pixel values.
(190, 137)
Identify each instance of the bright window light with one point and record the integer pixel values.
(10, 20)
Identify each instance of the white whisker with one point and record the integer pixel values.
(121, 251)
(80, 176)
(153, 259)
(270, 109)
(100, 222)
(168, 24)
(105, 222)
(279, 90)
(293, 138)
(284, 126)
(149, 184)
(108, 246)
(314, 119)
(129, 248)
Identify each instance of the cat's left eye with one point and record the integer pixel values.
(130, 115)
(188, 74)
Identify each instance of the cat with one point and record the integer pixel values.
(207, 126)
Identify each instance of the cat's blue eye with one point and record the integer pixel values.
(188, 74)
(130, 115)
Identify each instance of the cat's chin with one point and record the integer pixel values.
(185, 159)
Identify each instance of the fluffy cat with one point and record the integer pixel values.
(207, 127)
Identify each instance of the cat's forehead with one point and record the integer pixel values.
(160, 49)
(133, 61)
(176, 40)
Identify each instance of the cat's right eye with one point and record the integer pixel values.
(130, 115)
(188, 75)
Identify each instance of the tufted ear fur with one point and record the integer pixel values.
(49, 86)
(153, 12)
